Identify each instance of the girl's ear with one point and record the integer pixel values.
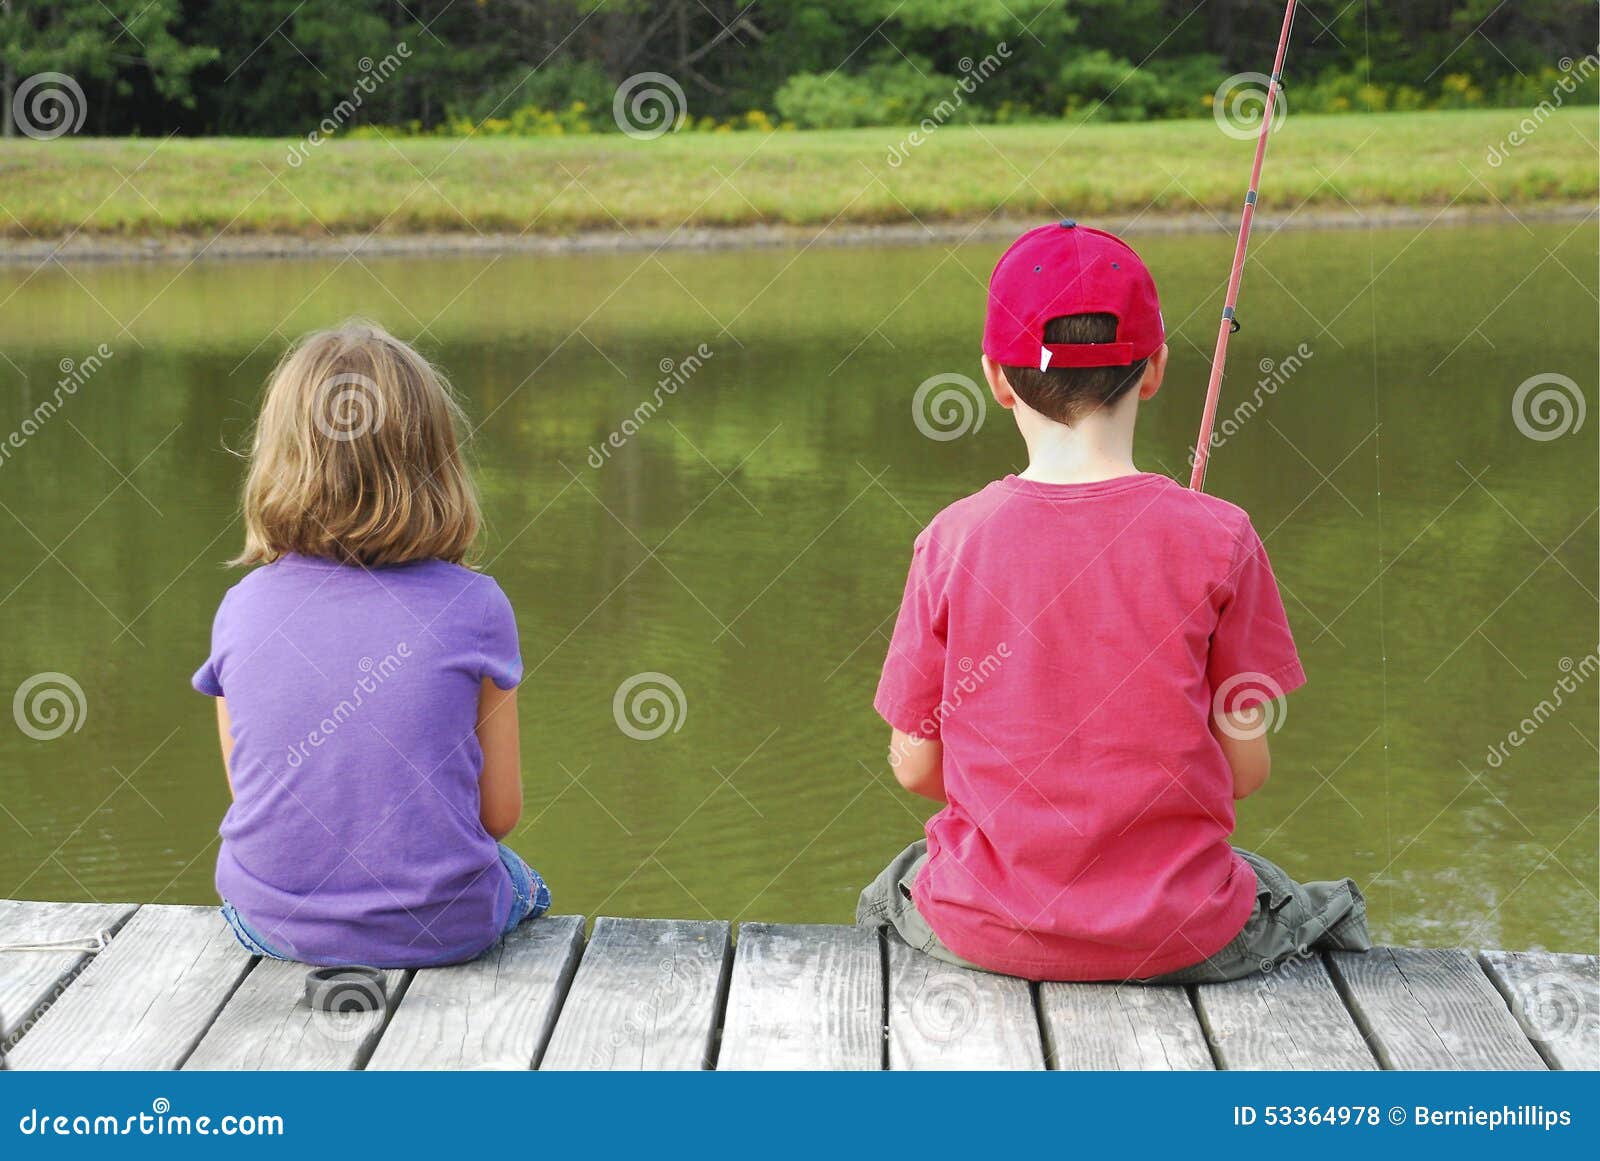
(999, 387)
(1154, 372)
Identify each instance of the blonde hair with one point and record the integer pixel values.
(356, 456)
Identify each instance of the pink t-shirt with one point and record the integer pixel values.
(1065, 641)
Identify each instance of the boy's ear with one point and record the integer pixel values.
(1154, 372)
(999, 386)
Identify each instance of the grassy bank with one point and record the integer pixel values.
(141, 188)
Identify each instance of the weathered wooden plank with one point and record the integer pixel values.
(266, 1025)
(493, 1013)
(32, 980)
(1556, 1000)
(1122, 1027)
(146, 1000)
(1288, 1018)
(804, 997)
(647, 996)
(942, 1016)
(1431, 1008)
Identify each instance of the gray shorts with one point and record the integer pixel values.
(1289, 919)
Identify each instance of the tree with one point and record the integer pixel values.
(99, 40)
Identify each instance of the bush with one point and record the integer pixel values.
(1106, 87)
(881, 94)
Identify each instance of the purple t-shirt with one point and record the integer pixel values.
(354, 834)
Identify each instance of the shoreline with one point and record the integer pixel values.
(189, 248)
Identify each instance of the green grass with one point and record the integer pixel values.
(142, 188)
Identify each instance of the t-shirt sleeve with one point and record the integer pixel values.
(912, 686)
(208, 678)
(1253, 657)
(499, 654)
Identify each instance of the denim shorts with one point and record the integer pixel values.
(530, 895)
(530, 898)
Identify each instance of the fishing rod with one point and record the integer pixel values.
(1202, 447)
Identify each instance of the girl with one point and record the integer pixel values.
(365, 679)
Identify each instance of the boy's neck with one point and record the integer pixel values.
(1097, 447)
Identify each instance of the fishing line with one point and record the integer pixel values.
(1202, 447)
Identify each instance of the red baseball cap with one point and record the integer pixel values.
(1064, 269)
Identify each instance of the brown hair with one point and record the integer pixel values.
(1067, 394)
(356, 456)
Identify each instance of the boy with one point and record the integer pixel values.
(1082, 671)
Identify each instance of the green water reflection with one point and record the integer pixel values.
(751, 539)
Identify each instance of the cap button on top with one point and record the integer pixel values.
(1067, 223)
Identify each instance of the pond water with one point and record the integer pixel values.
(750, 540)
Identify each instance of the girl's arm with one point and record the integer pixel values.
(225, 731)
(500, 787)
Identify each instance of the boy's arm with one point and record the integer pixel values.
(500, 785)
(1243, 738)
(918, 764)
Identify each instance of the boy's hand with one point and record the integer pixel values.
(918, 764)
(1243, 737)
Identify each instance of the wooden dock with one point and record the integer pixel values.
(171, 989)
